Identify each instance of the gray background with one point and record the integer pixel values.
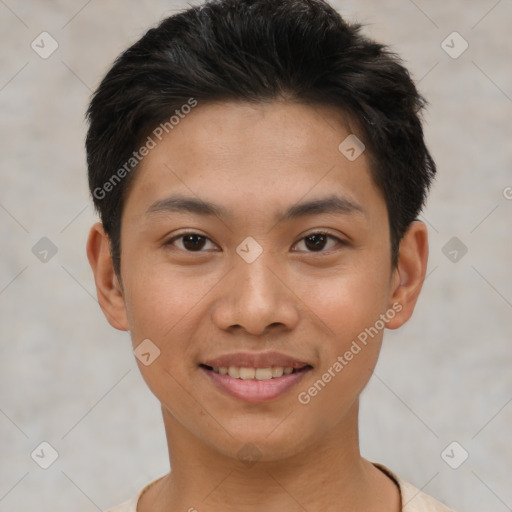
(69, 379)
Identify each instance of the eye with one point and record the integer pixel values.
(195, 242)
(190, 242)
(317, 242)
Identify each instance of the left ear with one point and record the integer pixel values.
(409, 274)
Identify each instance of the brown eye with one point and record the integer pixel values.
(318, 242)
(193, 242)
(190, 242)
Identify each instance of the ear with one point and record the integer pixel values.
(409, 274)
(108, 288)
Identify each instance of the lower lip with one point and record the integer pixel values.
(255, 391)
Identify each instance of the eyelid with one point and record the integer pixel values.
(320, 231)
(176, 236)
(186, 232)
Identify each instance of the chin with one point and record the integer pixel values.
(254, 445)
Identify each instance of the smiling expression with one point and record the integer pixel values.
(247, 234)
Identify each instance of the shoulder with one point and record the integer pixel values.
(131, 504)
(128, 505)
(413, 499)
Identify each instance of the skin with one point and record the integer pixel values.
(256, 161)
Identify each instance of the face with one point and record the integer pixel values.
(249, 240)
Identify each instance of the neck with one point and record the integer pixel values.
(321, 476)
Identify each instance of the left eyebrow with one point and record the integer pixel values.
(329, 204)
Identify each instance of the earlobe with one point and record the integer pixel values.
(108, 288)
(409, 273)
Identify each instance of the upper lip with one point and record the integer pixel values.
(255, 360)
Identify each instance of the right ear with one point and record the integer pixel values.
(108, 288)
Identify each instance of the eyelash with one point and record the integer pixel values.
(324, 233)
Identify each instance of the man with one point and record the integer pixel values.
(258, 167)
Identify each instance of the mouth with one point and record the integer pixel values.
(255, 385)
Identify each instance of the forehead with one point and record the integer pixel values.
(273, 130)
(275, 153)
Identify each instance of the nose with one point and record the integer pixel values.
(256, 298)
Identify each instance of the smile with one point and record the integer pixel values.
(255, 384)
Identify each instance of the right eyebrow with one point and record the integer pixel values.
(179, 204)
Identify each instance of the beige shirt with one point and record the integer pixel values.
(413, 500)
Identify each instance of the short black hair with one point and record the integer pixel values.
(258, 51)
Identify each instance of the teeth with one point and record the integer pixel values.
(253, 373)
(247, 373)
(234, 372)
(277, 371)
(263, 373)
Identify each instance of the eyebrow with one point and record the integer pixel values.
(330, 204)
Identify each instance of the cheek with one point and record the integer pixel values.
(350, 299)
(162, 309)
(168, 308)
(156, 299)
(350, 308)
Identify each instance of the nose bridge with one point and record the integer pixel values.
(256, 281)
(254, 297)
